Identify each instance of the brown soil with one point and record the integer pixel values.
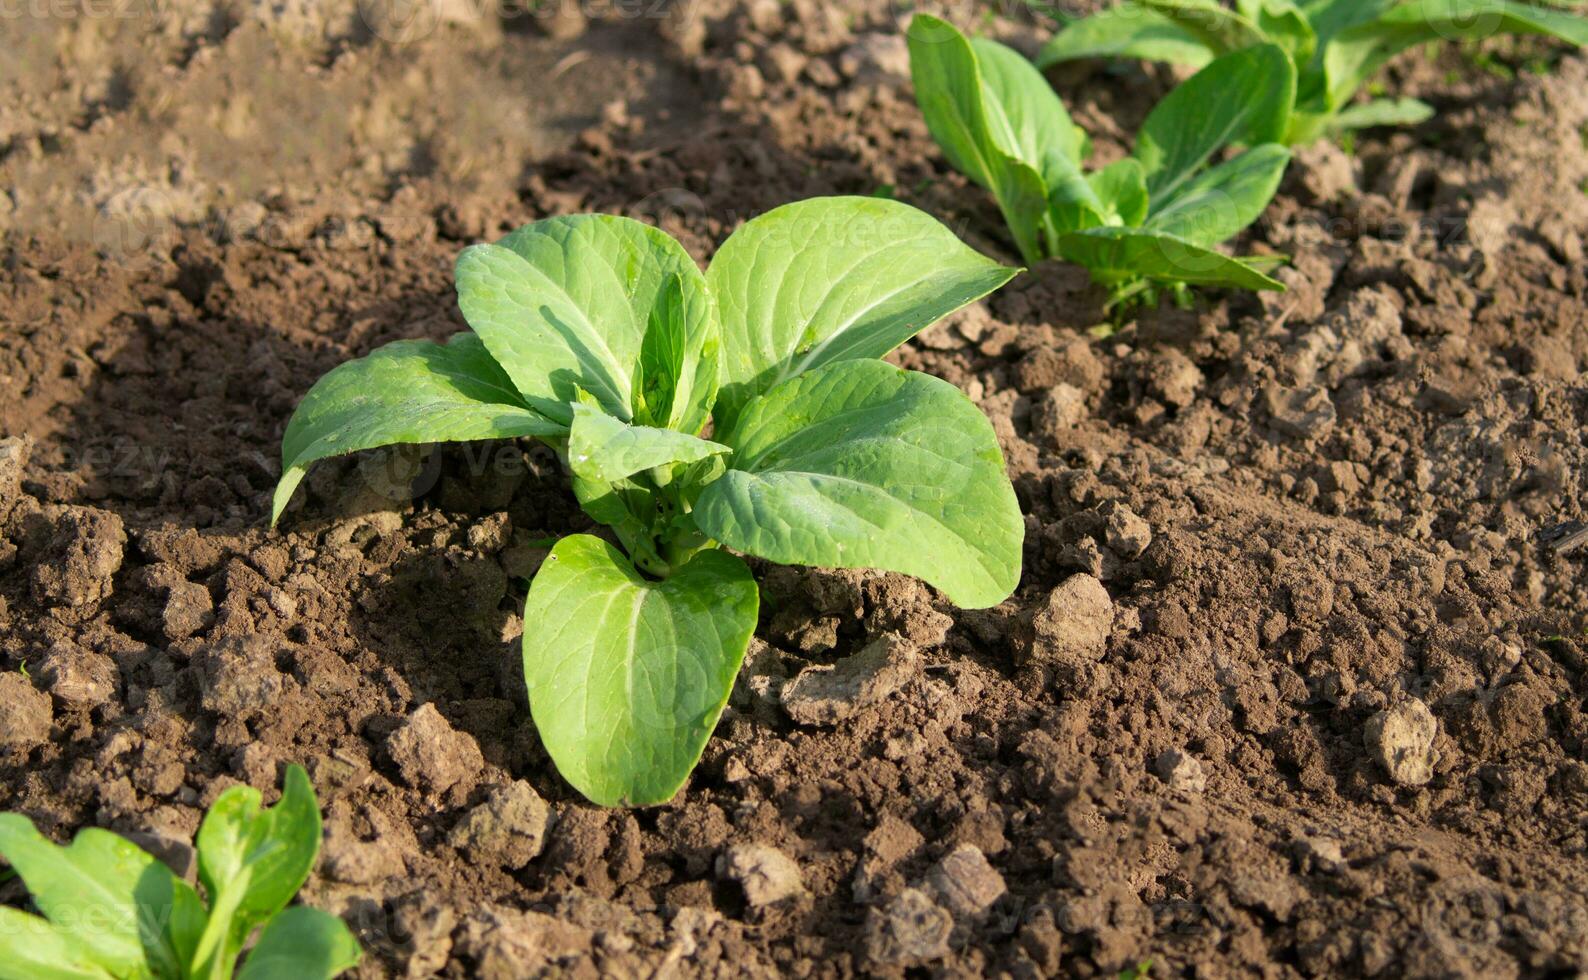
(1324, 715)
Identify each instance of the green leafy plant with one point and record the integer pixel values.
(600, 336)
(111, 911)
(1149, 220)
(1336, 45)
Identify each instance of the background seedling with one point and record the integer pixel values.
(1149, 220)
(1336, 45)
(602, 337)
(111, 911)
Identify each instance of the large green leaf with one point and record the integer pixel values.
(564, 305)
(1217, 203)
(412, 391)
(1241, 98)
(862, 465)
(1024, 115)
(948, 89)
(833, 279)
(1036, 150)
(1359, 52)
(301, 943)
(1120, 255)
(252, 861)
(1126, 30)
(627, 676)
(984, 108)
(603, 450)
(125, 911)
(33, 949)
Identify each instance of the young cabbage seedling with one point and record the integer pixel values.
(601, 336)
(1336, 45)
(1149, 220)
(111, 911)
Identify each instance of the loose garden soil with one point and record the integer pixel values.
(1294, 681)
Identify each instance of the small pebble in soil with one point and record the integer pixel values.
(25, 714)
(1073, 625)
(1304, 413)
(508, 828)
(83, 554)
(759, 686)
(14, 453)
(78, 678)
(353, 860)
(1126, 534)
(783, 64)
(1058, 410)
(910, 930)
(877, 57)
(1180, 771)
(431, 754)
(1324, 172)
(964, 882)
(1173, 377)
(1401, 738)
(766, 874)
(827, 694)
(1072, 361)
(506, 944)
(1319, 854)
(765, 16)
(239, 677)
(424, 926)
(188, 610)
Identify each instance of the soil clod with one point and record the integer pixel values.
(430, 754)
(827, 695)
(25, 714)
(766, 874)
(509, 827)
(1401, 738)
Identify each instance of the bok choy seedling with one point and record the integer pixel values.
(1149, 220)
(1336, 45)
(745, 408)
(111, 911)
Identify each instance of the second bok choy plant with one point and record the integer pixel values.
(745, 408)
(1336, 45)
(1147, 221)
(108, 910)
